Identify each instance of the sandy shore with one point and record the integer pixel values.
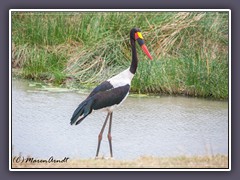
(217, 161)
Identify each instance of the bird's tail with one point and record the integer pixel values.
(82, 111)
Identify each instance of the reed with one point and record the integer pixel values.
(190, 49)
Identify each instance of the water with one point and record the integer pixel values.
(142, 126)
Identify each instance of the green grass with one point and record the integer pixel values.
(182, 76)
(189, 49)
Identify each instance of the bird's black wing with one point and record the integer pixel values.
(104, 86)
(109, 98)
(98, 100)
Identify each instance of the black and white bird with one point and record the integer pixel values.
(112, 92)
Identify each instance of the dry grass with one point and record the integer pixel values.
(217, 161)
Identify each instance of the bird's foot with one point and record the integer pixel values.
(99, 157)
(102, 157)
(109, 158)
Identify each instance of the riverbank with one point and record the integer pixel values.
(190, 50)
(216, 161)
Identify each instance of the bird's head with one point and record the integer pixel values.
(136, 35)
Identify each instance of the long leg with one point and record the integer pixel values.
(109, 135)
(100, 134)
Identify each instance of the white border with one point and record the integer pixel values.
(10, 91)
(121, 10)
(113, 10)
(229, 91)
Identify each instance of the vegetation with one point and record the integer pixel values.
(189, 49)
(216, 161)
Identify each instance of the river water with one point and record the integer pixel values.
(142, 126)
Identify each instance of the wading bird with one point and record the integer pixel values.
(112, 92)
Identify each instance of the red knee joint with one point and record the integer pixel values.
(99, 137)
(109, 137)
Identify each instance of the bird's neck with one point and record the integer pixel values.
(134, 63)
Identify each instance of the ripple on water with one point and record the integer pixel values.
(165, 126)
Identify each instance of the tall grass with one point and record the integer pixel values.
(190, 49)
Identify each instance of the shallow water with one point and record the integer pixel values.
(142, 126)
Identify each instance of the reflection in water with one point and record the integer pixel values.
(165, 126)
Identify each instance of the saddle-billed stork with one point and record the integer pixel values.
(112, 92)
